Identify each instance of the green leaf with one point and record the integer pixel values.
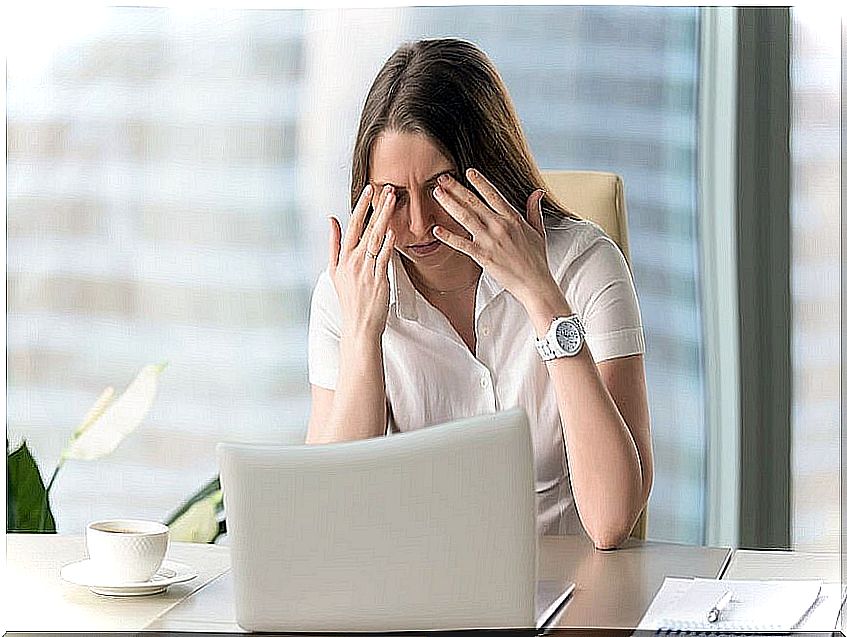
(27, 503)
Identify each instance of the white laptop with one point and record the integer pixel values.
(432, 529)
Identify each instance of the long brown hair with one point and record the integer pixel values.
(449, 90)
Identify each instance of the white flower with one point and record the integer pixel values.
(110, 420)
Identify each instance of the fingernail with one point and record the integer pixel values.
(367, 189)
(437, 191)
(443, 179)
(472, 173)
(387, 189)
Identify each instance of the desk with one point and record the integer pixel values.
(614, 588)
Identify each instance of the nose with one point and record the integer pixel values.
(421, 215)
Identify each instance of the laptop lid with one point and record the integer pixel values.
(432, 529)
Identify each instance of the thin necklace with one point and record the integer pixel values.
(463, 288)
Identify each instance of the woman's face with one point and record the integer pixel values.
(412, 163)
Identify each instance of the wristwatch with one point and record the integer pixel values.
(564, 338)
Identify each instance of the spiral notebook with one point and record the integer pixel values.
(754, 606)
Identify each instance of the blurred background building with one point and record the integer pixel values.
(169, 176)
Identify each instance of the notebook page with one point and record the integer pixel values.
(766, 605)
(823, 615)
(755, 605)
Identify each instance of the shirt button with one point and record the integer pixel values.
(486, 331)
(484, 382)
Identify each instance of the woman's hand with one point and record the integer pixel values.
(358, 266)
(512, 249)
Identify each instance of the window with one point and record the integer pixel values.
(815, 277)
(169, 174)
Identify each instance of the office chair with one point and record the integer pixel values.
(598, 197)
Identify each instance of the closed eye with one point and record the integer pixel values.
(402, 195)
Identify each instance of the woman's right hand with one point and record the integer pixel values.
(358, 265)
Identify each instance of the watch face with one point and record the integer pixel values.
(568, 336)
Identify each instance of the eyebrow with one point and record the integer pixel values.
(449, 171)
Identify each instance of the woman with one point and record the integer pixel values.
(452, 268)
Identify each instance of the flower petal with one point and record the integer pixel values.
(101, 436)
(96, 411)
(199, 523)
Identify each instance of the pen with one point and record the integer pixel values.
(720, 605)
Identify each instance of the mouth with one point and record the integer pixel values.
(424, 249)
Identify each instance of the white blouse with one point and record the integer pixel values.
(432, 377)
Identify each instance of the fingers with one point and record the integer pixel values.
(384, 256)
(377, 201)
(357, 220)
(533, 211)
(376, 231)
(334, 243)
(461, 204)
(456, 242)
(489, 192)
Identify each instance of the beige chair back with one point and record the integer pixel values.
(598, 197)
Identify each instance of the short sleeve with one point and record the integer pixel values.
(598, 285)
(324, 334)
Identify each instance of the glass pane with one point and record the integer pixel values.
(815, 277)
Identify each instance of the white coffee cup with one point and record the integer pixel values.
(126, 550)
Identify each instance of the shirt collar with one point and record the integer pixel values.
(403, 298)
(489, 288)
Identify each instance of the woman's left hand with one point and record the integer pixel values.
(510, 248)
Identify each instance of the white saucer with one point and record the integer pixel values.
(84, 574)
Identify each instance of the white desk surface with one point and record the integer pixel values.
(747, 564)
(614, 588)
(36, 598)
